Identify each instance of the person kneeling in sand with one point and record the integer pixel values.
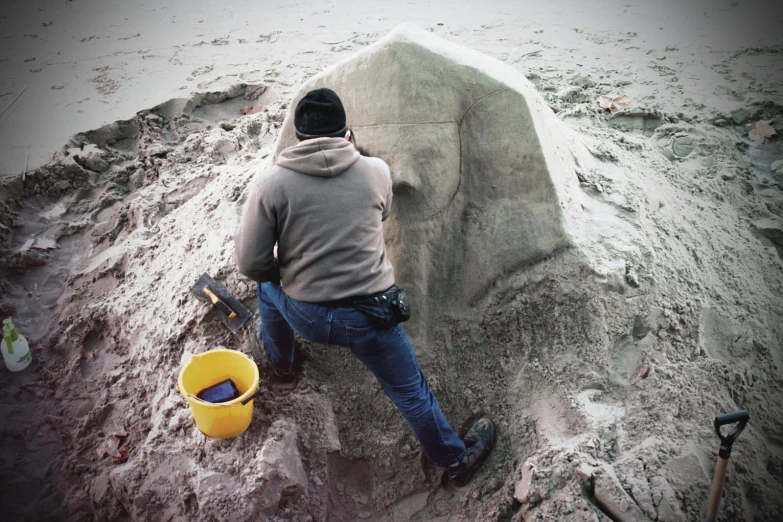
(323, 205)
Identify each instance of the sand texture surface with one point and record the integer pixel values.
(603, 323)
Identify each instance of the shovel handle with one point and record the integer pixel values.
(718, 480)
(741, 418)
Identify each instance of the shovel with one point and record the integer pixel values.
(741, 418)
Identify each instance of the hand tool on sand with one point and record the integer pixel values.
(741, 418)
(232, 312)
(219, 304)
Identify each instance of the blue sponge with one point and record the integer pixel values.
(221, 392)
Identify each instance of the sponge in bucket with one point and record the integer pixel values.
(221, 392)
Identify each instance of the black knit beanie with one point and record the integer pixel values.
(320, 114)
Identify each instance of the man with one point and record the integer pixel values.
(322, 205)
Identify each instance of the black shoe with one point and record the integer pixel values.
(278, 374)
(479, 442)
(282, 375)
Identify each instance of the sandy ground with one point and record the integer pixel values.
(604, 385)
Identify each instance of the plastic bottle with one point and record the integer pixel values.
(16, 350)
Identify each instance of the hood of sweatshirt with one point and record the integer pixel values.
(324, 157)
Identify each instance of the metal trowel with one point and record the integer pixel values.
(233, 313)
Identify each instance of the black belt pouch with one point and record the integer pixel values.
(386, 309)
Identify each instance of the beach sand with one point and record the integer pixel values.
(123, 140)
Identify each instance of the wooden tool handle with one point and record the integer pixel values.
(219, 304)
(717, 488)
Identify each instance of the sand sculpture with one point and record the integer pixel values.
(483, 180)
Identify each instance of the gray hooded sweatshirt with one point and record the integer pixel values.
(323, 204)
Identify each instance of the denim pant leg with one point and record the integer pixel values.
(278, 323)
(388, 354)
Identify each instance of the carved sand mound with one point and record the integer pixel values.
(483, 178)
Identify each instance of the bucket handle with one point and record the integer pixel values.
(255, 395)
(244, 402)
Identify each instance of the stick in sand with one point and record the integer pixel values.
(341, 41)
(26, 157)
(13, 101)
(530, 53)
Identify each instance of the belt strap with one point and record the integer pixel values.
(338, 303)
(347, 302)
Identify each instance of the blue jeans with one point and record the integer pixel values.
(387, 353)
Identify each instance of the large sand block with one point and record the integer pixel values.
(483, 177)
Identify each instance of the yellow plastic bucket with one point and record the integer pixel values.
(227, 419)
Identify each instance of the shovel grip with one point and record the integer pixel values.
(726, 441)
(731, 418)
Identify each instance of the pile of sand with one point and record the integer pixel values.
(603, 358)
